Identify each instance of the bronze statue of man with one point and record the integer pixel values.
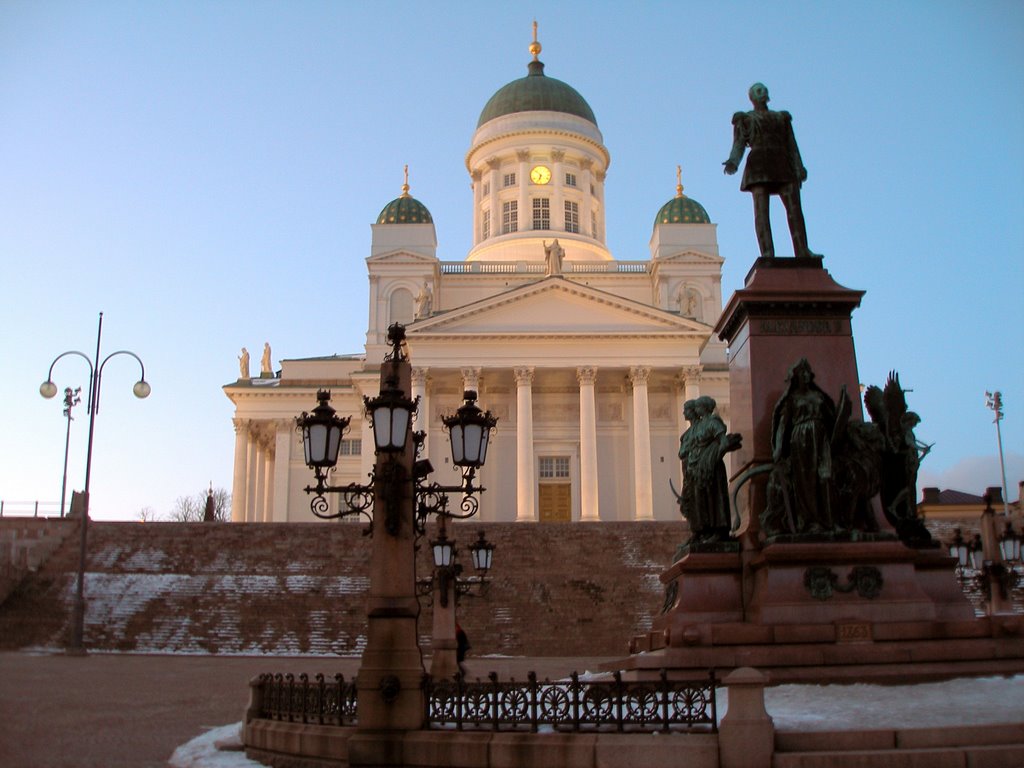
(773, 167)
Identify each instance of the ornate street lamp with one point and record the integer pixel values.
(48, 389)
(391, 414)
(483, 553)
(322, 431)
(71, 399)
(959, 550)
(1009, 545)
(398, 501)
(977, 553)
(994, 401)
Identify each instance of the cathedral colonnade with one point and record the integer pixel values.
(549, 458)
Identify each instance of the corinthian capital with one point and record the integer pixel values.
(639, 374)
(524, 376)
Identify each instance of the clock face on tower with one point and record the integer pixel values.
(540, 175)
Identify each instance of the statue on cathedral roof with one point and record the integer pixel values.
(266, 369)
(243, 364)
(773, 167)
(553, 255)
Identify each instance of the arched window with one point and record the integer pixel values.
(401, 307)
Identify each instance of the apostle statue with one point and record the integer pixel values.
(265, 365)
(424, 301)
(553, 255)
(243, 364)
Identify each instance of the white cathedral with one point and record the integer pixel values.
(585, 360)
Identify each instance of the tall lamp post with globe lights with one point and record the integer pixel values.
(48, 390)
(994, 401)
(398, 501)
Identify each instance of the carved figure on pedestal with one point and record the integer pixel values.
(801, 483)
(901, 456)
(243, 364)
(704, 501)
(773, 167)
(856, 452)
(685, 499)
(553, 255)
(424, 301)
(265, 366)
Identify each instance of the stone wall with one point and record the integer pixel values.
(563, 590)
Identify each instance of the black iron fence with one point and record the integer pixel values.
(301, 700)
(572, 705)
(604, 704)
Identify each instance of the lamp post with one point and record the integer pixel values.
(994, 401)
(397, 500)
(48, 389)
(71, 399)
(446, 586)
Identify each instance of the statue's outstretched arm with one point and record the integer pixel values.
(739, 143)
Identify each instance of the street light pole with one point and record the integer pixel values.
(71, 399)
(398, 500)
(48, 389)
(994, 400)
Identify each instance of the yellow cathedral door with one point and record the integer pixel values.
(554, 490)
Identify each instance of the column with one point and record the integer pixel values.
(421, 421)
(494, 174)
(589, 510)
(266, 513)
(258, 500)
(523, 182)
(641, 445)
(689, 377)
(526, 510)
(587, 207)
(373, 334)
(282, 470)
(476, 176)
(251, 473)
(558, 185)
(471, 379)
(239, 481)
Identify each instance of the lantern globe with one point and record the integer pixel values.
(483, 553)
(444, 551)
(322, 431)
(469, 431)
(391, 413)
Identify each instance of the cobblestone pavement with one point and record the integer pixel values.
(132, 711)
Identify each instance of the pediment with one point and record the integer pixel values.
(691, 256)
(556, 306)
(401, 256)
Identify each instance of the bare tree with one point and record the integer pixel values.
(147, 515)
(192, 509)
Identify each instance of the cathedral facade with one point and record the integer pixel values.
(585, 360)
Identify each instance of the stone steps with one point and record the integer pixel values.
(984, 746)
(294, 588)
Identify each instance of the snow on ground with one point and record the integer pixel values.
(217, 748)
(966, 701)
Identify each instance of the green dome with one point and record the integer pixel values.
(405, 210)
(536, 92)
(682, 210)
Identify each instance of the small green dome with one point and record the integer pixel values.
(682, 210)
(405, 210)
(536, 92)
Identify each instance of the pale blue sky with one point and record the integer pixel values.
(206, 175)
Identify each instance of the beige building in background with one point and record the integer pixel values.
(585, 360)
